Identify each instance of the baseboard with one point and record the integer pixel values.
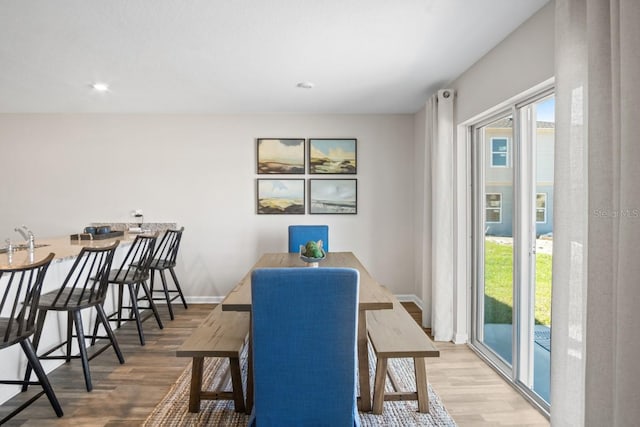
(411, 298)
(204, 300)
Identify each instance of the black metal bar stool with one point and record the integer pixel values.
(133, 274)
(164, 258)
(84, 287)
(20, 287)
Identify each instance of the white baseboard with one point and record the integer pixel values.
(204, 300)
(411, 298)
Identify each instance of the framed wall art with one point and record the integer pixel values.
(280, 156)
(332, 156)
(333, 196)
(280, 196)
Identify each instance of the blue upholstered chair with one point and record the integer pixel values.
(301, 234)
(304, 330)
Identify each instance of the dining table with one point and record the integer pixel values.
(372, 296)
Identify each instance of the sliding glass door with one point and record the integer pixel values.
(495, 251)
(543, 146)
(513, 242)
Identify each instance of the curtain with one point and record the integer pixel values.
(595, 380)
(439, 136)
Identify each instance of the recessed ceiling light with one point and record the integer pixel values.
(100, 87)
(305, 85)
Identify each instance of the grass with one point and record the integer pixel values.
(498, 285)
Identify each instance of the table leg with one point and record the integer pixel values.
(363, 362)
(196, 384)
(249, 404)
(420, 366)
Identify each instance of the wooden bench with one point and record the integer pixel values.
(221, 334)
(394, 333)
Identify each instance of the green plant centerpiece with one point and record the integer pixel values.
(312, 253)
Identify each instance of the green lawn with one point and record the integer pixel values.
(498, 281)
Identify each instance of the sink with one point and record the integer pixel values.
(22, 247)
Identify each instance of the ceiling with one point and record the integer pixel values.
(242, 56)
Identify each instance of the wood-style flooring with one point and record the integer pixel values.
(124, 395)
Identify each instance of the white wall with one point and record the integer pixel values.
(523, 60)
(422, 235)
(61, 172)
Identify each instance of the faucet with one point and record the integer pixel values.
(28, 236)
(9, 250)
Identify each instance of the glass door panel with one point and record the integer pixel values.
(543, 213)
(497, 248)
(513, 243)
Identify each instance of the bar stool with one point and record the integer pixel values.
(164, 258)
(84, 287)
(21, 287)
(133, 274)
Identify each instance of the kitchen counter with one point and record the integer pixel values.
(12, 363)
(63, 247)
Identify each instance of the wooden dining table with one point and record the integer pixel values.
(372, 296)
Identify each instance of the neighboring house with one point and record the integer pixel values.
(499, 177)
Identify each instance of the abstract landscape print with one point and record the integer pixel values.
(280, 196)
(333, 196)
(280, 156)
(332, 156)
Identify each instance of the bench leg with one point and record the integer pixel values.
(236, 383)
(196, 384)
(420, 365)
(378, 386)
(363, 362)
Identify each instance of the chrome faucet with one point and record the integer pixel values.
(27, 235)
(9, 250)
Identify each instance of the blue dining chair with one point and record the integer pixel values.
(301, 234)
(304, 330)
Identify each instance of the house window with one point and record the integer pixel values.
(493, 207)
(499, 152)
(541, 207)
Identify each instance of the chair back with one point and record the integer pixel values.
(167, 250)
(304, 329)
(135, 265)
(301, 234)
(87, 281)
(20, 287)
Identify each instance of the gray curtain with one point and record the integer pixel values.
(596, 264)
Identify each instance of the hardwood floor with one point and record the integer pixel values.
(124, 395)
(473, 393)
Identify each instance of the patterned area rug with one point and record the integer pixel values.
(173, 408)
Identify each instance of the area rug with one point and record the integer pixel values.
(173, 409)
